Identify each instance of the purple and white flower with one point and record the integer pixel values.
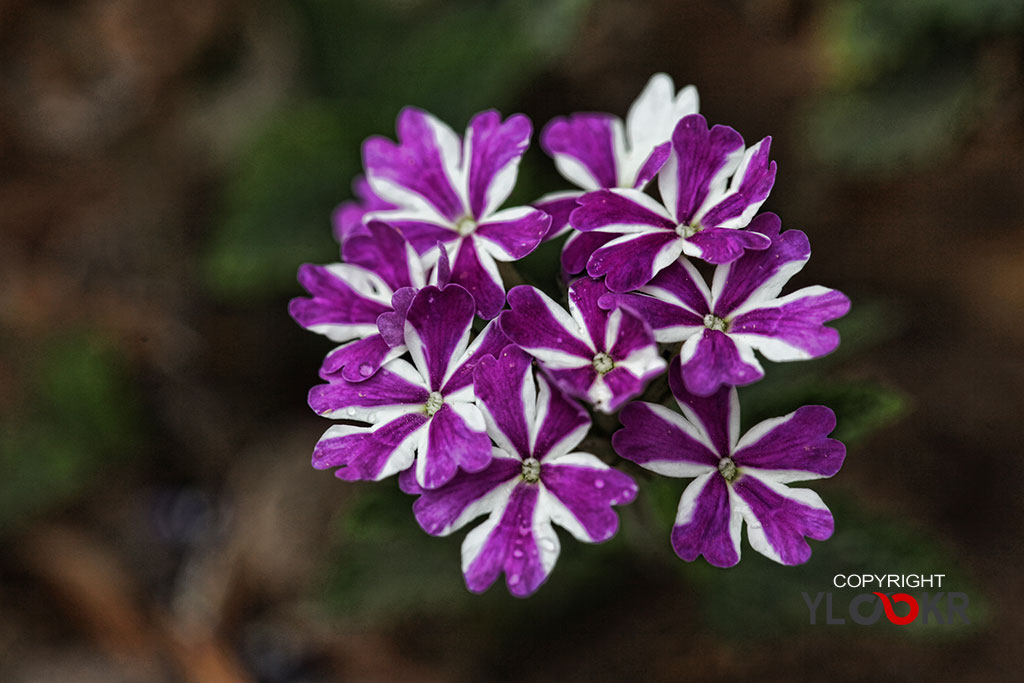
(603, 357)
(736, 478)
(596, 150)
(533, 482)
(424, 411)
(710, 187)
(381, 273)
(721, 327)
(448, 191)
(348, 218)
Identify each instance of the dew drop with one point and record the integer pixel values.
(517, 553)
(599, 483)
(513, 580)
(351, 411)
(365, 369)
(547, 543)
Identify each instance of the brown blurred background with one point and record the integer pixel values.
(165, 167)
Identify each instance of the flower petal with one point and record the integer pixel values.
(474, 269)
(707, 523)
(624, 211)
(654, 114)
(515, 540)
(359, 360)
(699, 167)
(489, 342)
(468, 495)
(580, 245)
(586, 489)
(717, 415)
(395, 389)
(456, 438)
(544, 329)
(793, 448)
(631, 261)
(560, 423)
(346, 300)
(663, 441)
(713, 359)
(723, 245)
(750, 186)
(492, 152)
(507, 398)
(758, 276)
(422, 166)
(385, 252)
(779, 518)
(791, 328)
(392, 323)
(437, 328)
(369, 453)
(347, 219)
(511, 234)
(583, 148)
(558, 205)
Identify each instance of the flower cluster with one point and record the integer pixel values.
(476, 396)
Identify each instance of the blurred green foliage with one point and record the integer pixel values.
(78, 415)
(906, 78)
(365, 61)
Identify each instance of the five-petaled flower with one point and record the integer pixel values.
(448, 192)
(425, 410)
(595, 150)
(700, 212)
(721, 327)
(534, 480)
(736, 478)
(603, 357)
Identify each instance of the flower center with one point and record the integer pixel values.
(465, 225)
(727, 468)
(434, 403)
(686, 230)
(713, 322)
(531, 470)
(603, 363)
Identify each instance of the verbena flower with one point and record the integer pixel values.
(710, 186)
(533, 481)
(736, 479)
(596, 150)
(448, 191)
(348, 218)
(381, 270)
(425, 410)
(721, 327)
(603, 357)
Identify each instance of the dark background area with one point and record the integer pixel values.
(164, 169)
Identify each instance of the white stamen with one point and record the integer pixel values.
(434, 403)
(531, 470)
(728, 469)
(713, 322)
(465, 225)
(685, 230)
(603, 363)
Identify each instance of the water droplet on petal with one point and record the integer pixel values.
(513, 580)
(518, 552)
(365, 369)
(351, 411)
(599, 483)
(547, 544)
